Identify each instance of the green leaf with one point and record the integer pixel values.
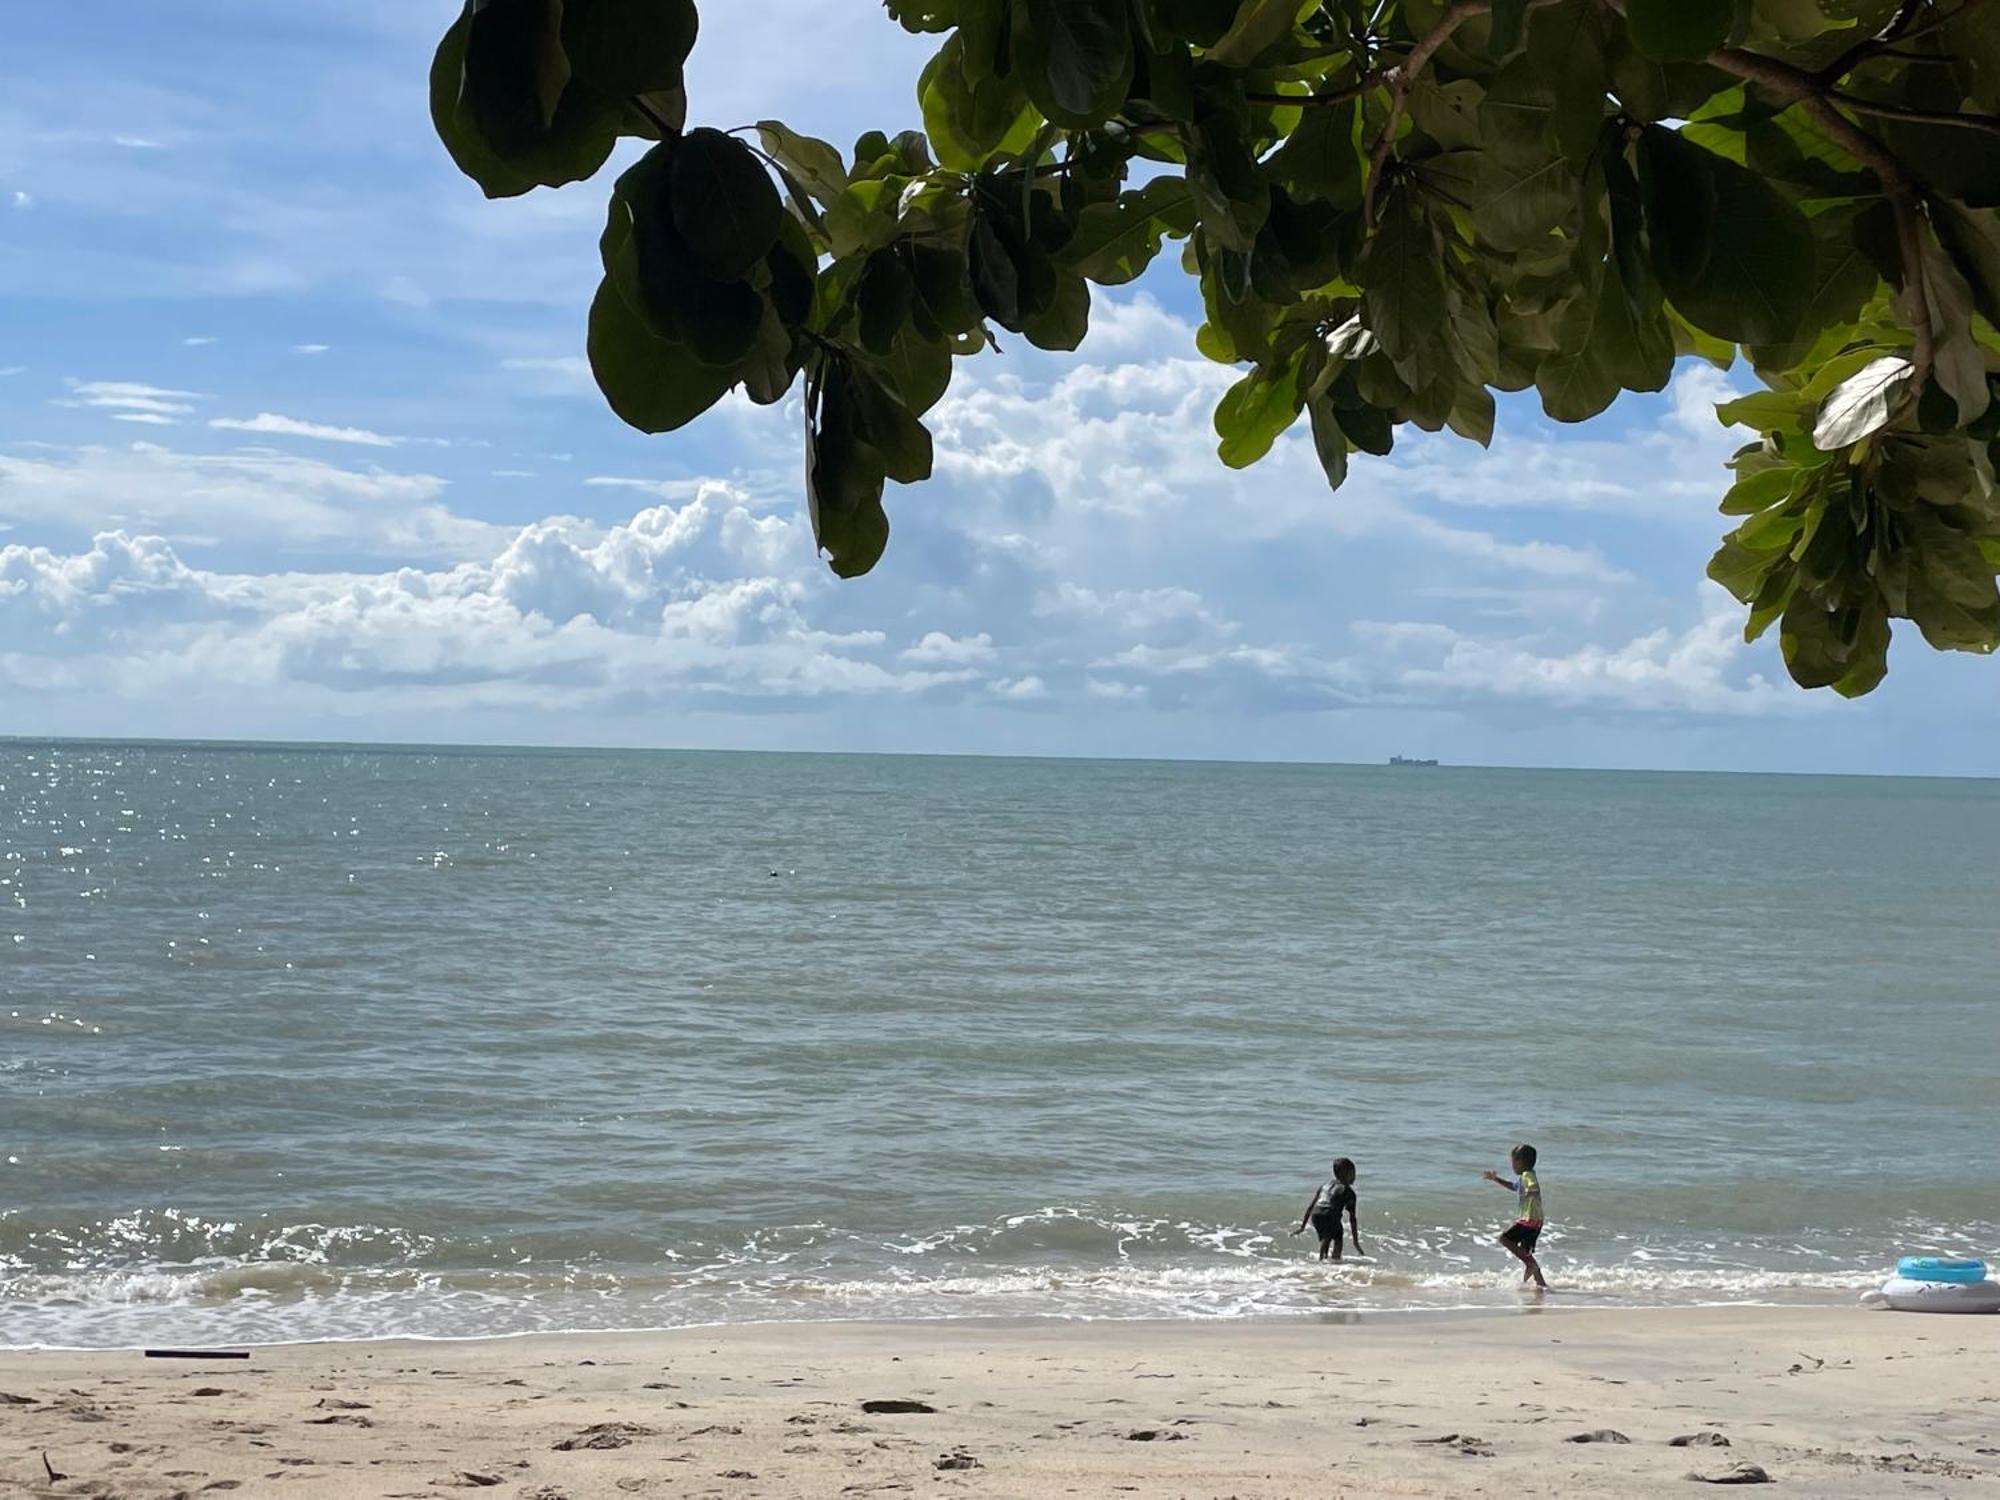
(844, 478)
(996, 281)
(1329, 442)
(1259, 26)
(1746, 274)
(515, 72)
(972, 123)
(1599, 355)
(724, 205)
(1678, 30)
(1958, 365)
(815, 164)
(889, 427)
(1368, 427)
(1255, 412)
(1517, 205)
(1322, 159)
(1759, 491)
(1062, 324)
(1972, 240)
(1115, 242)
(651, 384)
(577, 140)
(1862, 404)
(627, 47)
(1403, 288)
(1504, 26)
(1075, 56)
(1566, 46)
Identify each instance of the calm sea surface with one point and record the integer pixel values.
(334, 1043)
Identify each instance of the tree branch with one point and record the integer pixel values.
(1844, 64)
(1399, 80)
(1405, 73)
(1810, 92)
(1373, 78)
(1987, 123)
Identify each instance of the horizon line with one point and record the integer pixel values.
(507, 747)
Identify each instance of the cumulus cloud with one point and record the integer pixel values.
(275, 425)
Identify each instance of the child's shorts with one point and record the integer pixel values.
(1521, 1236)
(1327, 1226)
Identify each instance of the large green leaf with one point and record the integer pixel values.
(515, 71)
(627, 47)
(654, 385)
(844, 478)
(813, 162)
(1747, 274)
(1075, 56)
(972, 122)
(575, 141)
(724, 204)
(1255, 412)
(1678, 30)
(1115, 242)
(1403, 288)
(1258, 27)
(1518, 202)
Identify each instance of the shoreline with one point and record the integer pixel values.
(1564, 1302)
(1834, 1401)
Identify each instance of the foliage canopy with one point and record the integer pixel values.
(1394, 208)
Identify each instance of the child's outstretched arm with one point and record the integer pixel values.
(1509, 1186)
(1311, 1204)
(1354, 1229)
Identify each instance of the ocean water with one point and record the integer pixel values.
(310, 1043)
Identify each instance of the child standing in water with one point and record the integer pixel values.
(1520, 1236)
(1334, 1197)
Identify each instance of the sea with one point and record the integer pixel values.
(303, 1042)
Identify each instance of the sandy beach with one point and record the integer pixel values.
(1831, 1402)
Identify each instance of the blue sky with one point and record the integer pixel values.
(296, 441)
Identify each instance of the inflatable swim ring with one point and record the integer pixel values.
(1934, 1268)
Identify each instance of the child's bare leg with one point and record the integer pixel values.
(1534, 1269)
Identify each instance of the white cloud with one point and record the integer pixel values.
(137, 143)
(946, 650)
(131, 396)
(310, 348)
(665, 605)
(1020, 689)
(280, 426)
(144, 418)
(280, 503)
(23, 200)
(6, 370)
(1696, 670)
(199, 342)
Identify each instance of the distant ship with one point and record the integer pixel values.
(1403, 760)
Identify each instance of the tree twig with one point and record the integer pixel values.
(1988, 123)
(1373, 78)
(1399, 79)
(1405, 73)
(1844, 64)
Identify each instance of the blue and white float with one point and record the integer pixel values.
(1926, 1283)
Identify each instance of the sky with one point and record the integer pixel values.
(297, 442)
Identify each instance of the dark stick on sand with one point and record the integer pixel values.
(196, 1354)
